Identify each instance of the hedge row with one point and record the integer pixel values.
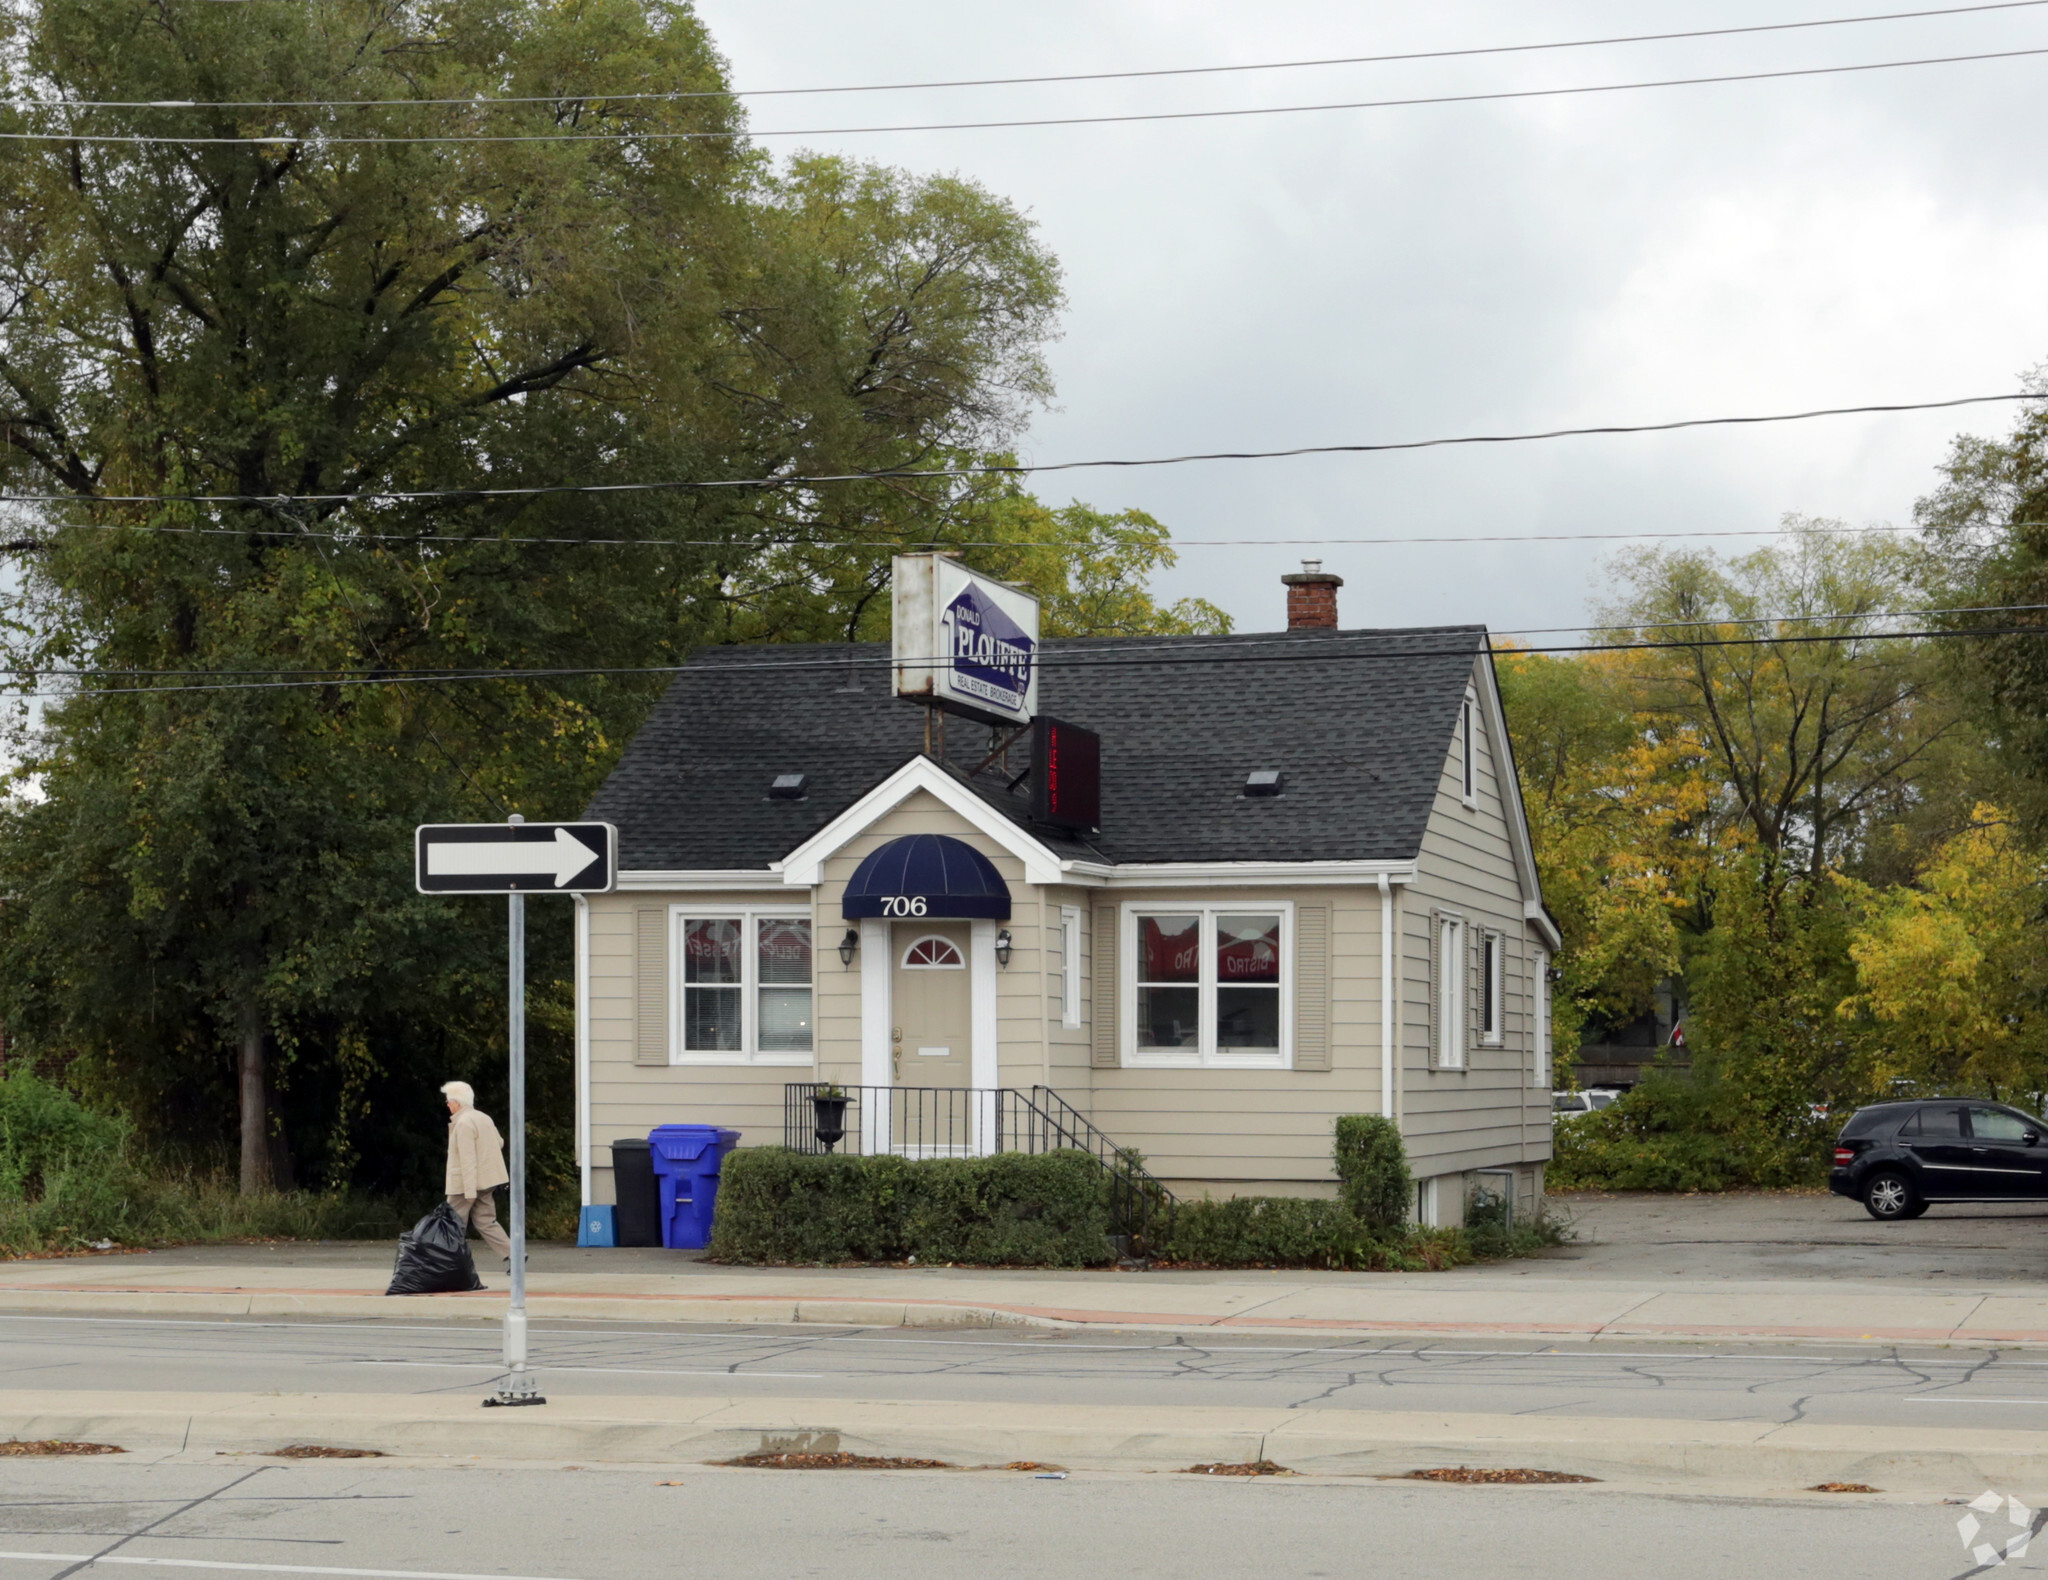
(1290, 1231)
(1010, 1210)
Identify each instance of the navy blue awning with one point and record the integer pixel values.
(927, 875)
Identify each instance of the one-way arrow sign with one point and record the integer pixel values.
(515, 858)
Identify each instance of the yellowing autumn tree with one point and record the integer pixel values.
(1620, 817)
(1952, 971)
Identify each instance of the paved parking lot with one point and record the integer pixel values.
(1788, 1234)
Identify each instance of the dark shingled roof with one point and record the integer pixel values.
(1358, 721)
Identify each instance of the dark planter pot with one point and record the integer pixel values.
(830, 1113)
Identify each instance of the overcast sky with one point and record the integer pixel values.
(1364, 275)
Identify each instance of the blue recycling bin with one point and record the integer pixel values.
(687, 1159)
(596, 1226)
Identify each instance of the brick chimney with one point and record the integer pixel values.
(1312, 598)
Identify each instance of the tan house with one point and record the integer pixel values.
(1310, 893)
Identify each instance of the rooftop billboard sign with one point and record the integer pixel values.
(962, 642)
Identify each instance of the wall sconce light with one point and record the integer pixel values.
(847, 945)
(1003, 947)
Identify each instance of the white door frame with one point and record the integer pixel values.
(877, 1028)
(877, 1031)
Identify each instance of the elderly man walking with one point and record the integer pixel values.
(476, 1166)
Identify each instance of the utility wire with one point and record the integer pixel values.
(1219, 652)
(928, 544)
(1498, 96)
(1002, 469)
(1006, 82)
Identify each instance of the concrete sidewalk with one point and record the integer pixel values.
(1756, 1265)
(1529, 1299)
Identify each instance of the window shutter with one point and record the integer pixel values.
(1475, 966)
(650, 995)
(1436, 990)
(1102, 984)
(1312, 987)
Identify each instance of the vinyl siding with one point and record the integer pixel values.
(1241, 1129)
(1491, 1113)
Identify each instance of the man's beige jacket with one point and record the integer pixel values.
(476, 1154)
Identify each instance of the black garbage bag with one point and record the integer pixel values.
(433, 1257)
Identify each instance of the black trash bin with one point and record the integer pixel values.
(638, 1218)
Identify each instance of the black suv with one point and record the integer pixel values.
(1895, 1158)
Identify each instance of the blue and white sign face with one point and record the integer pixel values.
(994, 658)
(965, 643)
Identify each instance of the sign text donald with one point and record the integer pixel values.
(962, 642)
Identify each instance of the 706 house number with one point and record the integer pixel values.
(903, 905)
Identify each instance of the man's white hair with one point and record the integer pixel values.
(459, 1091)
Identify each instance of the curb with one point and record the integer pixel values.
(1700, 1455)
(876, 1312)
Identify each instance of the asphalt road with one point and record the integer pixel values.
(1931, 1387)
(403, 1521)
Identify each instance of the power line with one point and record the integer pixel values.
(1498, 96)
(1007, 82)
(1003, 469)
(903, 545)
(1298, 651)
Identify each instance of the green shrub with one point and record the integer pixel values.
(1292, 1231)
(1492, 1238)
(1372, 1170)
(1010, 1210)
(1677, 1134)
(69, 1179)
(44, 1131)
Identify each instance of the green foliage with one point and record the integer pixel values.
(1010, 1210)
(355, 316)
(1372, 1170)
(1677, 1134)
(1293, 1231)
(1492, 1238)
(70, 1180)
(1766, 985)
(46, 1134)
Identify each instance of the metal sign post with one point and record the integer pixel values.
(514, 859)
(521, 1386)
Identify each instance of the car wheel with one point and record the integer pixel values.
(1889, 1197)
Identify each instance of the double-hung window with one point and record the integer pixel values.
(1208, 984)
(1492, 989)
(1450, 993)
(1070, 965)
(745, 988)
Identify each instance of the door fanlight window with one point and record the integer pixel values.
(934, 954)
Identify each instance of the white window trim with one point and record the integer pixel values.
(1452, 966)
(1468, 746)
(747, 1053)
(1070, 966)
(1207, 1056)
(1493, 956)
(1541, 1019)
